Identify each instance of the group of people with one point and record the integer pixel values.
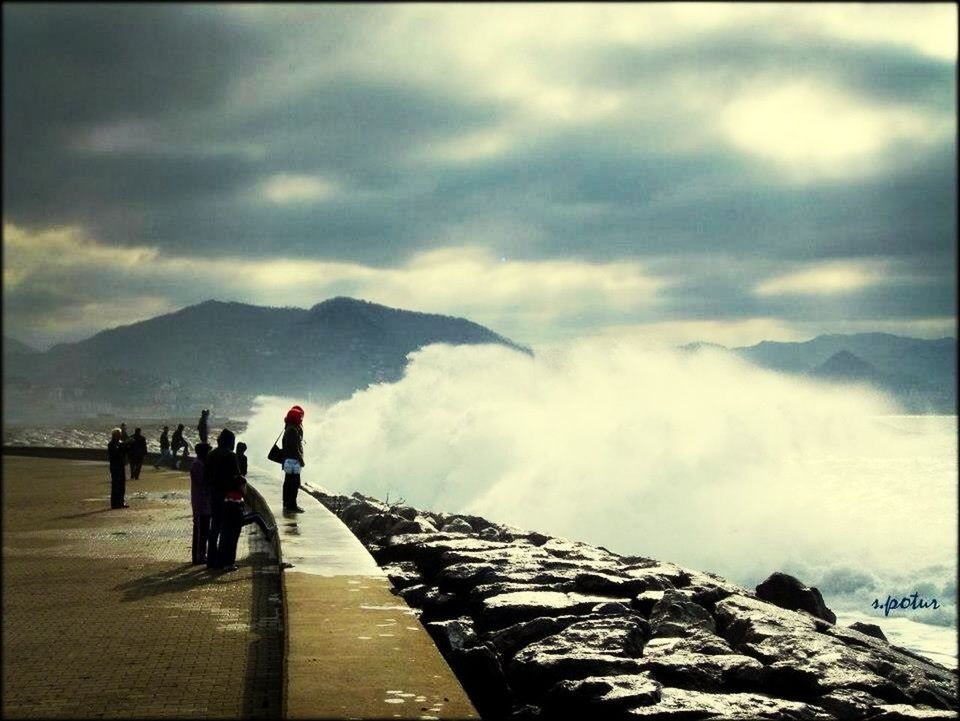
(217, 491)
(217, 481)
(121, 449)
(169, 446)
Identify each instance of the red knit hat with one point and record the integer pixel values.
(294, 415)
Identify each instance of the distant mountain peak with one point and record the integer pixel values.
(844, 364)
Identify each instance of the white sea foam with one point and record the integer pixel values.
(696, 458)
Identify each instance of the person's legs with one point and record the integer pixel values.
(135, 465)
(117, 487)
(291, 484)
(201, 532)
(230, 534)
(254, 517)
(216, 527)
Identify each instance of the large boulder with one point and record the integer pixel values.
(788, 592)
(606, 697)
(603, 646)
(676, 615)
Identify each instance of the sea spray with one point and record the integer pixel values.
(694, 457)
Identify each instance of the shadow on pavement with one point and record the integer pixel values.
(263, 682)
(176, 580)
(81, 515)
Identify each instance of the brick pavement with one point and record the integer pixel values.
(104, 617)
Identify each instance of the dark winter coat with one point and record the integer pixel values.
(164, 441)
(138, 447)
(115, 453)
(293, 443)
(177, 441)
(222, 472)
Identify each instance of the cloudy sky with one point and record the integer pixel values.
(667, 171)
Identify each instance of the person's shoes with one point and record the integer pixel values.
(123, 506)
(230, 569)
(297, 509)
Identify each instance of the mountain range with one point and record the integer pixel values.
(921, 375)
(223, 354)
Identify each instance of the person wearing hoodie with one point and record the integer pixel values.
(222, 474)
(292, 448)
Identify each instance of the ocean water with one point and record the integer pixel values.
(696, 458)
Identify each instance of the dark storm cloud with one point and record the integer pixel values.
(158, 126)
(876, 71)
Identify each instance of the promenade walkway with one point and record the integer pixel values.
(103, 615)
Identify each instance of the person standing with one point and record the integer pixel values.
(222, 475)
(176, 443)
(292, 458)
(164, 448)
(203, 427)
(116, 451)
(138, 451)
(200, 502)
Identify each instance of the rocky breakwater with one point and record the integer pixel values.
(542, 627)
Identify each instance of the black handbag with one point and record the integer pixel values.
(275, 454)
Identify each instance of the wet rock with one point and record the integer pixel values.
(356, 510)
(490, 534)
(407, 512)
(607, 697)
(644, 602)
(598, 647)
(419, 524)
(461, 577)
(904, 712)
(579, 627)
(376, 525)
(676, 615)
(606, 584)
(678, 703)
(511, 639)
(434, 604)
(702, 662)
(403, 574)
(800, 661)
(869, 629)
(457, 525)
(509, 608)
(850, 704)
(788, 592)
(610, 608)
(488, 590)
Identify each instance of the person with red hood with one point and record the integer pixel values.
(292, 447)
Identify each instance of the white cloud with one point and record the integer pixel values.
(812, 130)
(291, 188)
(28, 254)
(529, 60)
(827, 278)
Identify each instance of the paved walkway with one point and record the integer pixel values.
(354, 650)
(103, 615)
